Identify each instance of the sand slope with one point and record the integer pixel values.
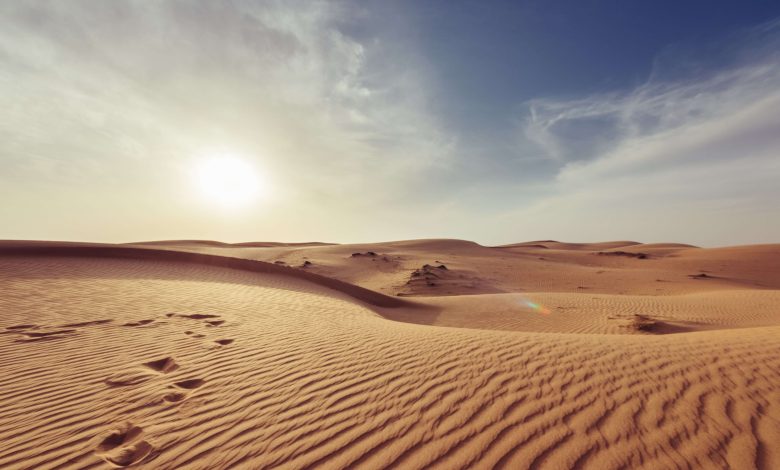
(157, 361)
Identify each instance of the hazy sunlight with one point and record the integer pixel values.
(227, 180)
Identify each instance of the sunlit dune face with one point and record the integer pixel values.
(228, 181)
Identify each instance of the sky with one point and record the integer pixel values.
(365, 121)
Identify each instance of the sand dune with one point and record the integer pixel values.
(96, 250)
(600, 313)
(525, 267)
(556, 245)
(193, 355)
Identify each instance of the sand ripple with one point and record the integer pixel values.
(168, 365)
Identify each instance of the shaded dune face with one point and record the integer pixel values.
(223, 368)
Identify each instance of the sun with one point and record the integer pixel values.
(227, 180)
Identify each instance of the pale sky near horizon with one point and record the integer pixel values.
(364, 121)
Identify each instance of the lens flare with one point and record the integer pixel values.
(535, 306)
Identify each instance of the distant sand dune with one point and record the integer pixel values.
(525, 267)
(147, 358)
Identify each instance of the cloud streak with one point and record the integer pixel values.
(701, 149)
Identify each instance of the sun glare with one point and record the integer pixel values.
(228, 180)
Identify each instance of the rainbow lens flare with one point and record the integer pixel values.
(536, 306)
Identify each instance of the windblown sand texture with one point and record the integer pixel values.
(189, 354)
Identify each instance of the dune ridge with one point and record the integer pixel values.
(130, 252)
(214, 243)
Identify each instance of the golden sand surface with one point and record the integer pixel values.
(203, 355)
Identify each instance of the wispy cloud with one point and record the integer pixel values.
(701, 149)
(93, 87)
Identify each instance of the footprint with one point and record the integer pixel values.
(224, 342)
(199, 316)
(215, 322)
(124, 434)
(174, 397)
(194, 335)
(164, 365)
(139, 323)
(123, 446)
(189, 384)
(178, 396)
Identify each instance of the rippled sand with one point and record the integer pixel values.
(175, 361)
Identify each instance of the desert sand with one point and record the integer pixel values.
(414, 354)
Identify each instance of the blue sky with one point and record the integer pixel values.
(369, 121)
